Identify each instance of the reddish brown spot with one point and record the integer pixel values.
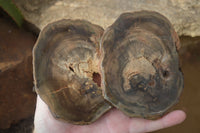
(96, 78)
(176, 40)
(152, 83)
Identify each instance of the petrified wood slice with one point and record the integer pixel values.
(66, 72)
(140, 66)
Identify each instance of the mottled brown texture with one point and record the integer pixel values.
(17, 99)
(66, 70)
(141, 74)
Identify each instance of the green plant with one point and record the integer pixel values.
(9, 7)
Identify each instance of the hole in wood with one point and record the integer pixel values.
(71, 68)
(165, 74)
(96, 78)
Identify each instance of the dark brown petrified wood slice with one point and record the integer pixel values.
(66, 72)
(140, 66)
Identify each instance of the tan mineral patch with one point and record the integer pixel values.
(137, 66)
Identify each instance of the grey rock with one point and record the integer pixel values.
(183, 14)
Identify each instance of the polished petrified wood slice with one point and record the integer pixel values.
(140, 66)
(66, 72)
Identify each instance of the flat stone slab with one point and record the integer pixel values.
(183, 14)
